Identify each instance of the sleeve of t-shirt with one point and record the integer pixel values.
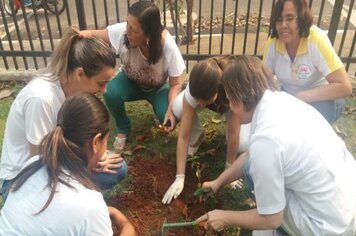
(323, 54)
(116, 34)
(38, 120)
(98, 219)
(269, 54)
(266, 170)
(190, 99)
(173, 56)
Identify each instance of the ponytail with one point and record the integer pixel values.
(73, 51)
(63, 152)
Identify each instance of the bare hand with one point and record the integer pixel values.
(212, 185)
(108, 162)
(214, 220)
(85, 33)
(171, 118)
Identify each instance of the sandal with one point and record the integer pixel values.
(119, 144)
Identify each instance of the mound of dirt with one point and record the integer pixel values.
(141, 202)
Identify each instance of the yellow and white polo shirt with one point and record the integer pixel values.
(315, 59)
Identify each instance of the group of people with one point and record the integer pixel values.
(280, 140)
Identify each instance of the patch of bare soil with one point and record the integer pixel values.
(149, 179)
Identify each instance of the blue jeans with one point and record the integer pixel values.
(107, 180)
(104, 180)
(331, 110)
(248, 179)
(5, 188)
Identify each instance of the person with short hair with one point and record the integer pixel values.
(300, 171)
(304, 61)
(55, 193)
(204, 89)
(77, 65)
(151, 67)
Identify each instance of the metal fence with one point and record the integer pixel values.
(219, 27)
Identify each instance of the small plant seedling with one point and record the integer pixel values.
(203, 192)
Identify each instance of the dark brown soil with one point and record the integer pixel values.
(141, 202)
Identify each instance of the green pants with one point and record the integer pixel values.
(121, 89)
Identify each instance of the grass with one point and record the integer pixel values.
(164, 147)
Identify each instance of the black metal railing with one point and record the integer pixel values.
(218, 27)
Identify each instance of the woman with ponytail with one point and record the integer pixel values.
(77, 65)
(55, 193)
(205, 90)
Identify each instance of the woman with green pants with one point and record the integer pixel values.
(151, 67)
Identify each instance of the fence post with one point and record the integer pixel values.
(335, 18)
(81, 14)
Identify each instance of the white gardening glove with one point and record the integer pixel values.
(174, 190)
(237, 183)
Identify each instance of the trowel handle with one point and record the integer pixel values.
(184, 224)
(180, 224)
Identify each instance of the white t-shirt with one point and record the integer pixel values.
(78, 211)
(190, 99)
(135, 65)
(299, 165)
(315, 59)
(32, 115)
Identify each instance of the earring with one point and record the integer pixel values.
(147, 42)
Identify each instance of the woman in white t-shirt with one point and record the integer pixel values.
(204, 89)
(301, 172)
(151, 67)
(55, 194)
(77, 65)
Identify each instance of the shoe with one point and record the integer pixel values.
(194, 149)
(119, 144)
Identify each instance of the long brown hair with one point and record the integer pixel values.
(205, 80)
(246, 79)
(62, 151)
(73, 51)
(149, 18)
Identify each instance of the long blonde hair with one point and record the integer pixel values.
(73, 51)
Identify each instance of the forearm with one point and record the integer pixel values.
(232, 173)
(339, 87)
(121, 222)
(181, 154)
(174, 90)
(323, 93)
(233, 138)
(250, 219)
(102, 34)
(128, 230)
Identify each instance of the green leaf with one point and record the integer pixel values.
(202, 191)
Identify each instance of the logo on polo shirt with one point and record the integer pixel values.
(303, 71)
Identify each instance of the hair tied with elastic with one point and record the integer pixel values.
(60, 125)
(80, 36)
